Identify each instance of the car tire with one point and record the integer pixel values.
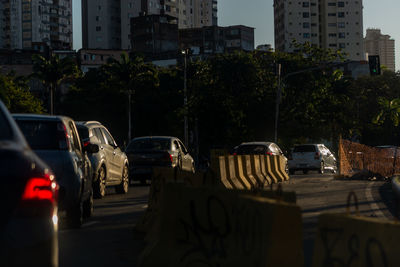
(322, 168)
(123, 187)
(305, 171)
(99, 186)
(75, 215)
(88, 206)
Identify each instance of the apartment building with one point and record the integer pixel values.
(378, 44)
(101, 24)
(27, 24)
(106, 24)
(332, 24)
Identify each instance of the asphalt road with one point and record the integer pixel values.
(107, 239)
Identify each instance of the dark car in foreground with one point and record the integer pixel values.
(28, 229)
(110, 164)
(56, 141)
(147, 152)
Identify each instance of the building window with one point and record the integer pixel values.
(342, 45)
(341, 14)
(331, 14)
(332, 45)
(306, 4)
(306, 35)
(98, 28)
(306, 25)
(332, 35)
(342, 35)
(340, 4)
(331, 4)
(331, 24)
(306, 14)
(341, 25)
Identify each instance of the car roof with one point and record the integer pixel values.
(154, 137)
(256, 143)
(41, 117)
(88, 123)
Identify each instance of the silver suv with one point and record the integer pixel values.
(110, 165)
(311, 157)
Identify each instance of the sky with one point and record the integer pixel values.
(381, 14)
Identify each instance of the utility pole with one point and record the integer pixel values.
(278, 100)
(185, 53)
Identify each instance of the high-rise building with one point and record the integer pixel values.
(378, 44)
(333, 24)
(106, 24)
(26, 24)
(101, 24)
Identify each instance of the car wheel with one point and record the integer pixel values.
(305, 171)
(88, 206)
(100, 184)
(75, 215)
(322, 168)
(122, 188)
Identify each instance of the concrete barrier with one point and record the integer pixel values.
(354, 240)
(210, 226)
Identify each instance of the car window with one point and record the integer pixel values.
(149, 144)
(175, 145)
(5, 132)
(304, 148)
(83, 132)
(43, 135)
(108, 137)
(75, 143)
(251, 149)
(100, 138)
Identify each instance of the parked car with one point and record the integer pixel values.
(260, 148)
(110, 165)
(56, 141)
(147, 152)
(28, 196)
(312, 157)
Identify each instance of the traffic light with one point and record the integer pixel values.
(374, 65)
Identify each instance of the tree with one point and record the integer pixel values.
(16, 96)
(52, 72)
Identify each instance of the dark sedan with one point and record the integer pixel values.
(144, 153)
(28, 195)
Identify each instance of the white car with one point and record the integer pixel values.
(311, 157)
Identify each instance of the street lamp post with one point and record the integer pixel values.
(185, 53)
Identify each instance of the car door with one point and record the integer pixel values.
(119, 155)
(186, 158)
(111, 151)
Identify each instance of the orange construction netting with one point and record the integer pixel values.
(355, 158)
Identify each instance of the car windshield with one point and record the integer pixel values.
(5, 128)
(304, 148)
(41, 135)
(251, 149)
(150, 144)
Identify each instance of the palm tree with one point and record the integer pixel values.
(129, 75)
(390, 110)
(52, 72)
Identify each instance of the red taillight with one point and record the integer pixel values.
(269, 153)
(41, 189)
(86, 143)
(168, 157)
(234, 153)
(316, 155)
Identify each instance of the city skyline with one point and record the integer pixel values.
(259, 14)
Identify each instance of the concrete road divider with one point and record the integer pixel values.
(249, 171)
(211, 226)
(353, 240)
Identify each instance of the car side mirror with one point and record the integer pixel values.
(91, 148)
